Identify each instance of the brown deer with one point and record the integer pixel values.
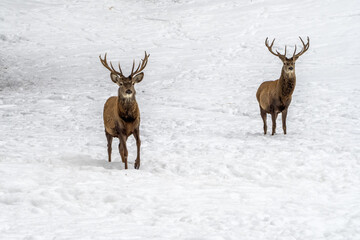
(121, 113)
(274, 97)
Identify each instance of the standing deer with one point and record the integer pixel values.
(274, 97)
(121, 113)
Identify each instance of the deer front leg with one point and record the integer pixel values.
(263, 116)
(109, 139)
(283, 117)
(273, 118)
(138, 144)
(123, 150)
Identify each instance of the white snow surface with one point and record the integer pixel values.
(207, 171)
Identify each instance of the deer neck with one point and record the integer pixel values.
(127, 108)
(286, 84)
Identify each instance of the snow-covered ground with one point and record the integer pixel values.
(207, 170)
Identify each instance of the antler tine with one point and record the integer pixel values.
(281, 54)
(308, 42)
(103, 62)
(305, 47)
(267, 44)
(294, 52)
(132, 69)
(106, 65)
(101, 58)
(113, 68)
(120, 69)
(270, 48)
(133, 73)
(141, 66)
(145, 61)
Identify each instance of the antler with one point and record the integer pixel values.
(104, 62)
(305, 48)
(141, 66)
(270, 49)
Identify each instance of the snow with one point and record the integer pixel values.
(207, 171)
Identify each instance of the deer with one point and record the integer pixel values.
(121, 114)
(274, 97)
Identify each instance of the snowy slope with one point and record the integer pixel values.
(207, 170)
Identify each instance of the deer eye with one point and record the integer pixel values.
(120, 83)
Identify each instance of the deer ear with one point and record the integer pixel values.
(138, 78)
(114, 78)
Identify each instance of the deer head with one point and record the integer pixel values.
(126, 84)
(288, 63)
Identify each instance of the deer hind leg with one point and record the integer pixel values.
(138, 144)
(273, 118)
(109, 139)
(263, 116)
(283, 117)
(123, 150)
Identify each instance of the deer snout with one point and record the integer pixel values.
(128, 91)
(291, 68)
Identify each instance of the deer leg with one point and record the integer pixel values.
(138, 144)
(273, 118)
(283, 117)
(123, 150)
(263, 116)
(109, 139)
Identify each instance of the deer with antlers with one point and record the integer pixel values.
(121, 113)
(274, 97)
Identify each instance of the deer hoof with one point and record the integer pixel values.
(136, 165)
